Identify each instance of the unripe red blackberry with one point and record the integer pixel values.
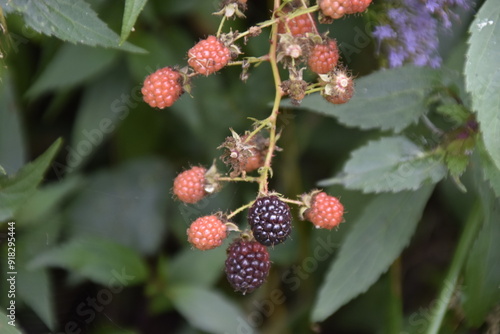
(162, 88)
(189, 186)
(247, 265)
(270, 220)
(338, 8)
(208, 56)
(321, 209)
(324, 57)
(207, 232)
(298, 26)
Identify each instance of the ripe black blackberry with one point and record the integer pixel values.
(247, 265)
(270, 220)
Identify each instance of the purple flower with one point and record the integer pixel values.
(409, 32)
(397, 57)
(384, 32)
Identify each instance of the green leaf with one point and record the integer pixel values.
(72, 65)
(12, 140)
(34, 286)
(15, 190)
(5, 327)
(482, 78)
(104, 105)
(208, 310)
(46, 200)
(458, 153)
(204, 269)
(35, 290)
(388, 100)
(482, 270)
(457, 164)
(72, 21)
(389, 164)
(456, 112)
(490, 172)
(126, 204)
(99, 260)
(373, 243)
(132, 10)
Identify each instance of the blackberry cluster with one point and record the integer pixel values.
(296, 45)
(270, 220)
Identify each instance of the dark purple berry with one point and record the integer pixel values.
(270, 220)
(247, 265)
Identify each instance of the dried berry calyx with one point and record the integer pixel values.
(244, 154)
(339, 86)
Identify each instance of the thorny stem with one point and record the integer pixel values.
(292, 201)
(310, 17)
(275, 20)
(262, 125)
(238, 179)
(221, 24)
(250, 60)
(260, 25)
(241, 208)
(263, 183)
(307, 10)
(270, 121)
(314, 90)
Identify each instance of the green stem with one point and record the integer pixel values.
(303, 11)
(395, 314)
(262, 125)
(238, 179)
(260, 25)
(241, 208)
(263, 183)
(250, 60)
(314, 90)
(292, 201)
(464, 244)
(221, 24)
